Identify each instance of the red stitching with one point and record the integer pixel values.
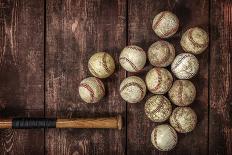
(154, 26)
(175, 118)
(131, 63)
(170, 32)
(193, 41)
(165, 59)
(100, 84)
(86, 86)
(135, 48)
(91, 69)
(133, 84)
(159, 80)
(159, 106)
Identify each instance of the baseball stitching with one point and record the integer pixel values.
(133, 84)
(155, 139)
(176, 121)
(170, 31)
(193, 119)
(104, 63)
(190, 37)
(173, 134)
(184, 47)
(191, 74)
(159, 80)
(176, 64)
(99, 83)
(135, 48)
(93, 71)
(158, 108)
(86, 86)
(131, 63)
(180, 92)
(158, 21)
(165, 59)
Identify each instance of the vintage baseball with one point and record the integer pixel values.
(194, 40)
(133, 89)
(185, 66)
(164, 137)
(183, 119)
(182, 92)
(101, 65)
(161, 53)
(91, 90)
(132, 58)
(165, 24)
(158, 108)
(159, 80)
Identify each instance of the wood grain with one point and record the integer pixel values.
(220, 120)
(101, 123)
(190, 13)
(75, 30)
(21, 72)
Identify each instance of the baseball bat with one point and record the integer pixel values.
(33, 123)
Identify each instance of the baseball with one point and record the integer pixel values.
(164, 137)
(132, 58)
(194, 40)
(159, 80)
(165, 24)
(183, 119)
(91, 90)
(158, 108)
(185, 66)
(182, 92)
(101, 65)
(133, 89)
(161, 53)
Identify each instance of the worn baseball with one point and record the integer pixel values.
(161, 53)
(133, 89)
(183, 119)
(164, 137)
(101, 65)
(165, 24)
(159, 80)
(132, 58)
(182, 92)
(185, 66)
(194, 40)
(91, 90)
(158, 108)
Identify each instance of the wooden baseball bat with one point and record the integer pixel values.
(32, 123)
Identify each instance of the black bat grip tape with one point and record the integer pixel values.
(33, 123)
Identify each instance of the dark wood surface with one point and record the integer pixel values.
(220, 118)
(75, 30)
(44, 50)
(21, 72)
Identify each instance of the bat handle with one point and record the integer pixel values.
(32, 123)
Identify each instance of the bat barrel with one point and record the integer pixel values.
(33, 123)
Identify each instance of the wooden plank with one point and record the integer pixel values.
(75, 30)
(190, 13)
(21, 71)
(220, 121)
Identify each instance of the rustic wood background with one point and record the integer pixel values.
(44, 49)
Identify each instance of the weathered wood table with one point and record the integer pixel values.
(44, 49)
